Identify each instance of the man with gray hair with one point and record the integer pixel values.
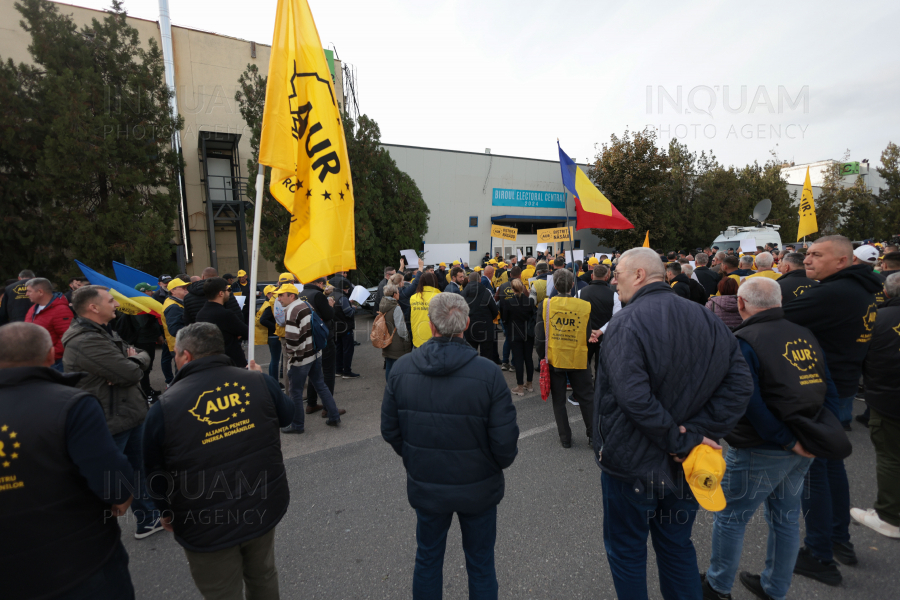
(51, 311)
(217, 427)
(764, 262)
(745, 268)
(790, 379)
(882, 381)
(717, 260)
(652, 411)
(454, 446)
(793, 280)
(60, 471)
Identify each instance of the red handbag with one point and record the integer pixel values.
(545, 364)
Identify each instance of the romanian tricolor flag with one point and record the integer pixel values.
(131, 301)
(592, 209)
(131, 277)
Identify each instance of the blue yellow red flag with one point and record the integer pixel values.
(303, 141)
(130, 276)
(592, 209)
(131, 301)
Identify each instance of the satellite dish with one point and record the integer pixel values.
(761, 211)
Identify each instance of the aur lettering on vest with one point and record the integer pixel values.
(566, 331)
(868, 324)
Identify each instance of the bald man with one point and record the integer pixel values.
(62, 477)
(840, 312)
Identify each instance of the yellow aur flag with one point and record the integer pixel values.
(303, 141)
(808, 223)
(647, 240)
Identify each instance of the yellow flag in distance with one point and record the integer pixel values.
(808, 222)
(303, 141)
(647, 240)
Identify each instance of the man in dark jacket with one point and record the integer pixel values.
(651, 411)
(58, 456)
(454, 447)
(678, 280)
(482, 312)
(604, 302)
(890, 265)
(233, 329)
(702, 273)
(793, 281)
(790, 377)
(14, 303)
(344, 328)
(314, 293)
(196, 299)
(458, 280)
(882, 380)
(217, 428)
(841, 312)
(379, 293)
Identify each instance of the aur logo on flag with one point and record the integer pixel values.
(326, 163)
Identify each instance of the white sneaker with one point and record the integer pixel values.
(870, 519)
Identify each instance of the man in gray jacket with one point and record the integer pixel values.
(114, 371)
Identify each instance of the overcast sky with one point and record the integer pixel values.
(513, 76)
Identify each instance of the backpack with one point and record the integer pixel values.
(379, 335)
(698, 292)
(320, 331)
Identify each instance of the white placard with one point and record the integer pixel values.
(550, 287)
(519, 254)
(748, 245)
(411, 258)
(541, 247)
(572, 257)
(241, 300)
(359, 295)
(691, 262)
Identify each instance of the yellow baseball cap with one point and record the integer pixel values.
(285, 277)
(478, 269)
(268, 289)
(242, 273)
(176, 283)
(502, 265)
(606, 261)
(456, 262)
(287, 288)
(493, 261)
(442, 264)
(593, 260)
(703, 470)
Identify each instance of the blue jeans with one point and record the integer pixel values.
(388, 363)
(130, 444)
(628, 517)
(275, 357)
(112, 581)
(505, 344)
(757, 476)
(479, 533)
(845, 409)
(58, 365)
(826, 508)
(298, 384)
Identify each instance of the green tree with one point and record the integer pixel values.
(765, 183)
(86, 167)
(889, 196)
(633, 173)
(390, 213)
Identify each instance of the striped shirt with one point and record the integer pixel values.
(298, 336)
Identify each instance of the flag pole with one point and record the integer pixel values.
(570, 234)
(254, 262)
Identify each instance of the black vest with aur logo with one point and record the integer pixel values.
(792, 371)
(222, 448)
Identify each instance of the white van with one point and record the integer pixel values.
(735, 234)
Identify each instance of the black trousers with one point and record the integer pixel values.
(522, 352)
(593, 355)
(582, 389)
(150, 349)
(328, 361)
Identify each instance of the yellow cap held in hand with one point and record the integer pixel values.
(703, 470)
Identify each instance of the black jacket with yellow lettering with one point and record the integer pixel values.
(881, 375)
(212, 454)
(841, 313)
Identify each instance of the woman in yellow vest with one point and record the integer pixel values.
(268, 331)
(561, 335)
(418, 308)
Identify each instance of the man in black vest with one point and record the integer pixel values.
(882, 379)
(14, 303)
(702, 274)
(604, 303)
(789, 377)
(56, 459)
(234, 330)
(793, 281)
(217, 427)
(678, 280)
(196, 298)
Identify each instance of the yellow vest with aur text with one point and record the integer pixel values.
(565, 325)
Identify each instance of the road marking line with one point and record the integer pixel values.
(544, 428)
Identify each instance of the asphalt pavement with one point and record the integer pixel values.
(349, 532)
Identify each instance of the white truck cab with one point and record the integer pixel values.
(734, 234)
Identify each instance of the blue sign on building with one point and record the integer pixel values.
(532, 199)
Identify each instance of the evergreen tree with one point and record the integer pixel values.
(86, 167)
(889, 196)
(390, 213)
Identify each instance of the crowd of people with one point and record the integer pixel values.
(798, 334)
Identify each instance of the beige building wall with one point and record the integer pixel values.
(207, 67)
